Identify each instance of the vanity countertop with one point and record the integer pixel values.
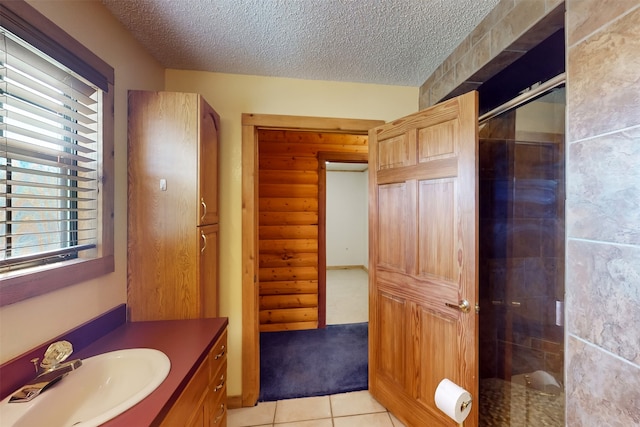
(185, 342)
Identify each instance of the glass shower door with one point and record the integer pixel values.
(522, 265)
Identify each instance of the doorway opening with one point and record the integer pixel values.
(343, 238)
(252, 125)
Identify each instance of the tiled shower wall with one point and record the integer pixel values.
(602, 366)
(603, 212)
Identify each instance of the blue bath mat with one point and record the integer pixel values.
(314, 362)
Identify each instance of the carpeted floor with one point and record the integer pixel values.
(314, 362)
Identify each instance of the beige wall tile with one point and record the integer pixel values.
(604, 296)
(442, 87)
(603, 188)
(601, 389)
(456, 55)
(586, 16)
(515, 23)
(496, 15)
(604, 84)
(477, 57)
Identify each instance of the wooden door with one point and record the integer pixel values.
(208, 270)
(208, 164)
(423, 214)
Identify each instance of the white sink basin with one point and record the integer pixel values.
(102, 388)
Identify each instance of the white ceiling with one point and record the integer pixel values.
(395, 42)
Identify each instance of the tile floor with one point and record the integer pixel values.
(355, 409)
(347, 296)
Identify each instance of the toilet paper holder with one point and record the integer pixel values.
(464, 404)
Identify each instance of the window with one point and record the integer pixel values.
(56, 157)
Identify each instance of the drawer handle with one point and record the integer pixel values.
(219, 386)
(215, 421)
(222, 352)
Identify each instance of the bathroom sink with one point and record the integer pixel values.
(104, 386)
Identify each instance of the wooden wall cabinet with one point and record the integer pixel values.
(203, 402)
(172, 244)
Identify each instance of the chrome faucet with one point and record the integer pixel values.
(51, 370)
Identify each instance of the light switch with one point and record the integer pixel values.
(163, 184)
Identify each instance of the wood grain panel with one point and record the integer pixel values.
(291, 326)
(286, 204)
(437, 237)
(288, 218)
(287, 273)
(289, 315)
(272, 302)
(287, 163)
(288, 245)
(288, 190)
(287, 177)
(288, 232)
(438, 141)
(310, 149)
(305, 137)
(396, 152)
(392, 222)
(391, 351)
(289, 287)
(289, 260)
(432, 334)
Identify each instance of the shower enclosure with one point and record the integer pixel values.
(522, 264)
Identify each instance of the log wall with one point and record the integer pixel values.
(288, 223)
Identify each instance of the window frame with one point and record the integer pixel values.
(26, 22)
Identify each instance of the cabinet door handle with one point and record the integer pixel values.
(221, 414)
(219, 386)
(204, 245)
(223, 350)
(204, 209)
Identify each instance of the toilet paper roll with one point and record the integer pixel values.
(453, 400)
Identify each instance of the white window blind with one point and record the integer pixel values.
(48, 159)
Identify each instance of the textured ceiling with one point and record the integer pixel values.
(396, 42)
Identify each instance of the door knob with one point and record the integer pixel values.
(463, 306)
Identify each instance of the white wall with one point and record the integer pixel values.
(347, 218)
(231, 95)
(27, 324)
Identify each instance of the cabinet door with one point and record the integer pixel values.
(208, 165)
(208, 270)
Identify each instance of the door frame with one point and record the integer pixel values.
(323, 157)
(251, 123)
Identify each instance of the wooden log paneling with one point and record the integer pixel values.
(271, 302)
(290, 287)
(284, 204)
(288, 190)
(287, 163)
(314, 138)
(289, 260)
(293, 149)
(288, 182)
(288, 232)
(288, 218)
(289, 315)
(276, 274)
(287, 177)
(294, 326)
(288, 246)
